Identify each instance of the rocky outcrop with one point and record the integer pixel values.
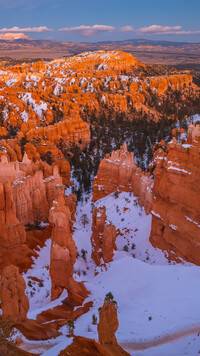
(31, 191)
(71, 201)
(83, 346)
(14, 302)
(63, 252)
(34, 195)
(103, 237)
(72, 130)
(176, 203)
(107, 327)
(119, 172)
(108, 345)
(12, 232)
(108, 323)
(175, 82)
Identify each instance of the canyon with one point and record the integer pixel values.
(99, 196)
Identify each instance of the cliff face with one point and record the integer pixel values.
(34, 195)
(119, 172)
(14, 302)
(25, 196)
(176, 201)
(103, 237)
(12, 232)
(63, 251)
(175, 82)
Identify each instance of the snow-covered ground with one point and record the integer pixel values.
(155, 297)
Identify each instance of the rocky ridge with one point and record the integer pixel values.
(175, 203)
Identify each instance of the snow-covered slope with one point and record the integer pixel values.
(155, 297)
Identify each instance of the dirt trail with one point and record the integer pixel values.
(143, 345)
(129, 346)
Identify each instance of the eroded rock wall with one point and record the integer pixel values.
(119, 172)
(176, 200)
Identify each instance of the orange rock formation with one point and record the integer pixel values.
(176, 203)
(31, 194)
(103, 237)
(63, 251)
(119, 172)
(107, 327)
(12, 232)
(107, 346)
(14, 302)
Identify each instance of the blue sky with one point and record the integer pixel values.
(100, 20)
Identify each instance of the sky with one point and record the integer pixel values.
(102, 20)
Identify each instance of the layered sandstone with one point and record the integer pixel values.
(103, 237)
(31, 194)
(34, 195)
(176, 203)
(12, 232)
(63, 251)
(119, 172)
(14, 302)
(174, 82)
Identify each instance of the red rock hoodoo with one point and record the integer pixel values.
(107, 327)
(108, 345)
(63, 251)
(103, 237)
(119, 172)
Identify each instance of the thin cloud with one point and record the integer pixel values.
(88, 31)
(159, 30)
(126, 29)
(26, 29)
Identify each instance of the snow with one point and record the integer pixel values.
(37, 108)
(173, 227)
(40, 297)
(186, 145)
(156, 297)
(194, 222)
(58, 89)
(193, 119)
(33, 314)
(58, 348)
(24, 116)
(11, 82)
(189, 346)
(178, 169)
(5, 114)
(155, 214)
(103, 98)
(35, 78)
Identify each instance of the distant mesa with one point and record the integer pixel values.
(13, 36)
